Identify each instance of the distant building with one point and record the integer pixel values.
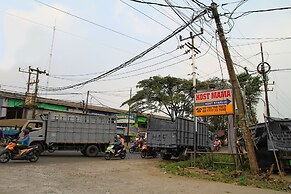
(12, 107)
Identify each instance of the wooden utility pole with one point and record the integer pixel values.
(237, 93)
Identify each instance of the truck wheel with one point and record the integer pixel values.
(39, 146)
(92, 150)
(167, 156)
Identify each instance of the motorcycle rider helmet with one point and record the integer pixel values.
(25, 131)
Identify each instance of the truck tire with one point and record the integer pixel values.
(84, 152)
(167, 156)
(39, 145)
(92, 150)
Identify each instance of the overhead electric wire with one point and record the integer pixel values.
(210, 45)
(151, 18)
(65, 32)
(178, 30)
(201, 37)
(267, 41)
(287, 69)
(151, 65)
(147, 15)
(163, 5)
(87, 74)
(260, 38)
(261, 11)
(145, 72)
(95, 98)
(94, 23)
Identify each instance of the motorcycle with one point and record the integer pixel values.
(148, 151)
(9, 153)
(134, 148)
(110, 153)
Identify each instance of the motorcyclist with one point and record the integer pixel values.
(1, 134)
(118, 145)
(24, 142)
(217, 144)
(137, 141)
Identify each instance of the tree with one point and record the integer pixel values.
(174, 97)
(169, 95)
(251, 86)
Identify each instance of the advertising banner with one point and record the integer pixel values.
(217, 102)
(123, 118)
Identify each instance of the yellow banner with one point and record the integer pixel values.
(219, 102)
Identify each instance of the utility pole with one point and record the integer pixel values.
(128, 117)
(86, 106)
(194, 52)
(31, 98)
(261, 69)
(237, 93)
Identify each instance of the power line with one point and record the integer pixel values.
(152, 65)
(261, 11)
(163, 5)
(147, 15)
(88, 21)
(287, 69)
(267, 41)
(178, 30)
(261, 38)
(147, 71)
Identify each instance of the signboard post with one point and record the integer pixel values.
(216, 102)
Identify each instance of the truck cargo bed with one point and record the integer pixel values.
(80, 129)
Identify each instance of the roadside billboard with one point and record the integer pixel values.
(217, 102)
(123, 118)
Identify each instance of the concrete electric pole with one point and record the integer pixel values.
(237, 93)
(31, 97)
(194, 52)
(263, 68)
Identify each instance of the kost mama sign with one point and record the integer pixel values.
(219, 102)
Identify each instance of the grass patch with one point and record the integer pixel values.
(224, 173)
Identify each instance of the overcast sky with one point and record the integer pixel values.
(92, 37)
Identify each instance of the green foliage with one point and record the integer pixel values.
(251, 86)
(169, 95)
(206, 162)
(223, 174)
(174, 96)
(242, 180)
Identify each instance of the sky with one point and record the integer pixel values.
(75, 41)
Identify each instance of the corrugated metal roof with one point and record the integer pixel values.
(12, 122)
(73, 104)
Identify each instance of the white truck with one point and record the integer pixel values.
(89, 134)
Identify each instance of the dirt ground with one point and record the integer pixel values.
(73, 173)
